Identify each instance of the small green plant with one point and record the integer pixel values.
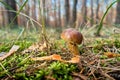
(100, 25)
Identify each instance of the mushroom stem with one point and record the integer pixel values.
(73, 48)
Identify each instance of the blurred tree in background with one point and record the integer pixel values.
(58, 13)
(117, 21)
(74, 16)
(84, 12)
(67, 12)
(92, 14)
(11, 6)
(97, 11)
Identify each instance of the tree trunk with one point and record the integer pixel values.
(5, 18)
(1, 17)
(84, 12)
(67, 12)
(44, 11)
(117, 21)
(55, 13)
(47, 12)
(74, 17)
(97, 11)
(21, 19)
(92, 14)
(34, 9)
(11, 15)
(59, 13)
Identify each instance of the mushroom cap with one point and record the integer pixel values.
(72, 35)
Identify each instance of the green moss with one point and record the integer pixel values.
(117, 43)
(62, 71)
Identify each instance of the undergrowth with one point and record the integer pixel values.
(20, 66)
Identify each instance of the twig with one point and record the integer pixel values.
(106, 75)
(80, 76)
(98, 65)
(107, 68)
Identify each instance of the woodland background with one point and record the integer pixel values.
(58, 13)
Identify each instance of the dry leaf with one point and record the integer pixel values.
(42, 58)
(33, 47)
(75, 59)
(57, 57)
(14, 48)
(11, 51)
(51, 57)
(2, 53)
(111, 55)
(36, 47)
(43, 47)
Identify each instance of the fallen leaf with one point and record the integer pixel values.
(33, 47)
(42, 58)
(57, 57)
(75, 59)
(51, 57)
(43, 46)
(2, 53)
(111, 55)
(11, 51)
(36, 47)
(14, 48)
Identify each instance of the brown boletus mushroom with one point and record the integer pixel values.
(73, 39)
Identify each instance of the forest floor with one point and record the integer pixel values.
(28, 55)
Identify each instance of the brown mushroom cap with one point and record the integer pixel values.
(72, 35)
